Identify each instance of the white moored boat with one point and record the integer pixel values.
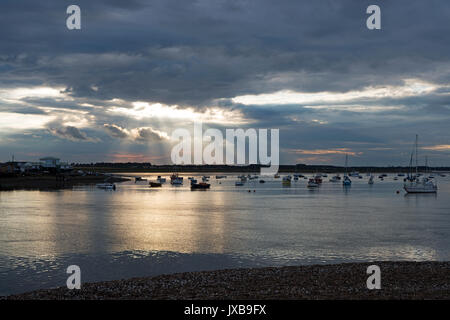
(106, 186)
(420, 186)
(413, 184)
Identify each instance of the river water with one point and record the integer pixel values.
(142, 231)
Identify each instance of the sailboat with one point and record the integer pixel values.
(370, 180)
(413, 183)
(346, 181)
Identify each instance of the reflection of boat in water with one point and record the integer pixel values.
(155, 184)
(106, 186)
(413, 184)
(175, 179)
(200, 186)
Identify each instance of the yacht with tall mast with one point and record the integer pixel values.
(413, 184)
(346, 181)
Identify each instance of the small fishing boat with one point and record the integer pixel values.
(318, 178)
(262, 181)
(414, 184)
(200, 186)
(175, 179)
(346, 181)
(312, 183)
(136, 179)
(221, 177)
(239, 183)
(160, 179)
(286, 181)
(276, 176)
(155, 184)
(106, 186)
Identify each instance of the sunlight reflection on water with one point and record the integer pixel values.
(137, 231)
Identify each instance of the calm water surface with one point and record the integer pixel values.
(139, 231)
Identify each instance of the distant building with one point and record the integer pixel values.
(49, 162)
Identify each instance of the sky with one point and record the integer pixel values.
(137, 70)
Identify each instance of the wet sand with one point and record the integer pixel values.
(399, 280)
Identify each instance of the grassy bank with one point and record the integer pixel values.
(399, 280)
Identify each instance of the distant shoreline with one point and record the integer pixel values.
(399, 280)
(247, 169)
(52, 182)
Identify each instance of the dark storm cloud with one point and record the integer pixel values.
(71, 133)
(116, 131)
(192, 52)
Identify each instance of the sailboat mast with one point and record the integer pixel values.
(417, 154)
(346, 163)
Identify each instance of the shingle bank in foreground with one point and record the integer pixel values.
(399, 280)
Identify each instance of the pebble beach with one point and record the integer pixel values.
(399, 280)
